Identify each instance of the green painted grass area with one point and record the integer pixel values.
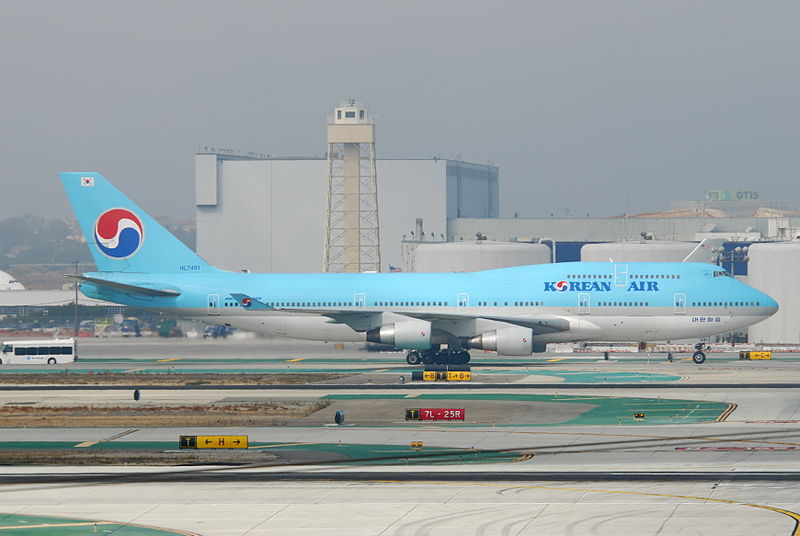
(377, 454)
(23, 525)
(361, 454)
(167, 370)
(608, 410)
(590, 376)
(166, 360)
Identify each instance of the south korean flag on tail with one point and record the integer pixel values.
(87, 181)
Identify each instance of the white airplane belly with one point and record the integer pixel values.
(308, 327)
(646, 328)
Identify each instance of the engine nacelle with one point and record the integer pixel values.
(412, 334)
(513, 340)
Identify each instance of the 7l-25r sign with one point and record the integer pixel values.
(435, 414)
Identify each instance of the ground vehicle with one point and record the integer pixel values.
(39, 351)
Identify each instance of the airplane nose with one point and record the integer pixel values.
(771, 305)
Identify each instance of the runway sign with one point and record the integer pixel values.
(214, 442)
(435, 414)
(755, 355)
(442, 376)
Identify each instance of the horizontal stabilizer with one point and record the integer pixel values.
(249, 303)
(128, 288)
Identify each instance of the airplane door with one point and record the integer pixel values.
(680, 303)
(359, 300)
(213, 304)
(620, 275)
(584, 301)
(463, 302)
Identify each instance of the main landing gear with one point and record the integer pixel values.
(443, 357)
(699, 356)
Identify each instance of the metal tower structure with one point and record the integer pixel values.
(352, 241)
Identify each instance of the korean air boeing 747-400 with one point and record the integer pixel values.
(436, 317)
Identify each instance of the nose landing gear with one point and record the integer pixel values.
(699, 356)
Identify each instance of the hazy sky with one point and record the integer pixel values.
(593, 106)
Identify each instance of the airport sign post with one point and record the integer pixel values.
(442, 376)
(435, 414)
(214, 442)
(755, 355)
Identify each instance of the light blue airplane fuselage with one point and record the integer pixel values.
(143, 265)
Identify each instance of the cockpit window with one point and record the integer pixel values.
(722, 273)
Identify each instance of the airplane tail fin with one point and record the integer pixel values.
(121, 236)
(706, 251)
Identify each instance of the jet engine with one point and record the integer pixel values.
(513, 340)
(412, 334)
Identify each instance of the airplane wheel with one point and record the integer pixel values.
(699, 357)
(428, 358)
(462, 358)
(413, 358)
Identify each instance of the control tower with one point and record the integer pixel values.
(352, 242)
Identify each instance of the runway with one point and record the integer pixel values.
(548, 447)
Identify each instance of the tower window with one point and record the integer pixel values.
(350, 115)
(338, 114)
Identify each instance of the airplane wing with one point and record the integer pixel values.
(134, 290)
(539, 324)
(366, 320)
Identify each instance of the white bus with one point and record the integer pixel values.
(39, 351)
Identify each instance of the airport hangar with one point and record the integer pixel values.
(268, 214)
